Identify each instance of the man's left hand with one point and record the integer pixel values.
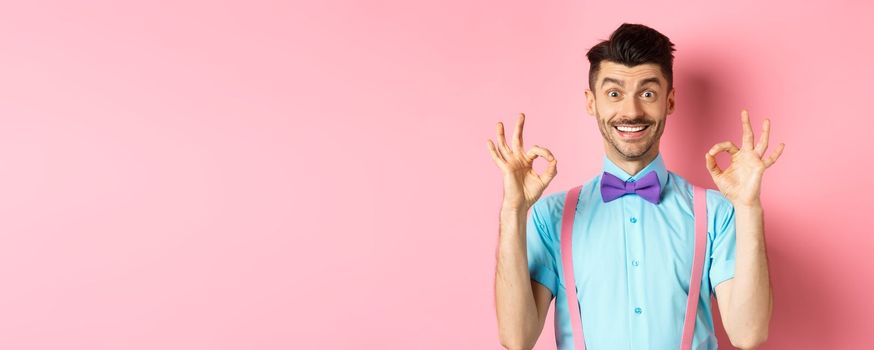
(742, 180)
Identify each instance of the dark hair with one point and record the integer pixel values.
(631, 45)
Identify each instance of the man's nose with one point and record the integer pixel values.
(631, 107)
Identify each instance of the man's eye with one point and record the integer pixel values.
(648, 94)
(613, 94)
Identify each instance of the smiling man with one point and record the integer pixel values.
(633, 250)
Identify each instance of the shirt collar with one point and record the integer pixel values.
(657, 165)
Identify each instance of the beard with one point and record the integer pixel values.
(633, 149)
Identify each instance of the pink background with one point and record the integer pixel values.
(267, 175)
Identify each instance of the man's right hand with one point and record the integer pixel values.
(522, 185)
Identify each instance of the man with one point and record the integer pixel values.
(633, 255)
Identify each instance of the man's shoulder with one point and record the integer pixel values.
(552, 203)
(717, 203)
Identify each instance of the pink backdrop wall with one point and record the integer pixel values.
(273, 175)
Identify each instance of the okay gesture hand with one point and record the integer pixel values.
(742, 180)
(522, 185)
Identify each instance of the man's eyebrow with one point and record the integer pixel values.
(612, 80)
(621, 83)
(651, 80)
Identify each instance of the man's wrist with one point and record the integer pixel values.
(511, 210)
(754, 204)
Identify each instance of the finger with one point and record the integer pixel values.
(517, 135)
(763, 138)
(495, 155)
(774, 155)
(710, 157)
(726, 146)
(712, 167)
(502, 142)
(537, 151)
(551, 170)
(748, 130)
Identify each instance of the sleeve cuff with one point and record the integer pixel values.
(721, 275)
(547, 279)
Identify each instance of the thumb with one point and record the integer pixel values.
(551, 167)
(712, 167)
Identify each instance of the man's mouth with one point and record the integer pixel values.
(631, 131)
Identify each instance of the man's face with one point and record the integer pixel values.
(631, 105)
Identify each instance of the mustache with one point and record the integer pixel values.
(636, 121)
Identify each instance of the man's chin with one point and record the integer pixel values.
(633, 154)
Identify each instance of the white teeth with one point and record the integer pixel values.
(630, 128)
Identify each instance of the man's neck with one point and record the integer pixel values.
(632, 166)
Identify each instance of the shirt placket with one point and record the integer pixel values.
(635, 267)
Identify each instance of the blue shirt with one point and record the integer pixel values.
(632, 262)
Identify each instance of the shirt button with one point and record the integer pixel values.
(635, 263)
(633, 220)
(637, 310)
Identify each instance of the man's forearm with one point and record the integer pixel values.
(751, 300)
(516, 309)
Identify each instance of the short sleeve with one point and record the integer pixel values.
(721, 227)
(542, 247)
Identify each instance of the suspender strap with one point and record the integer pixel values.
(567, 263)
(567, 224)
(697, 266)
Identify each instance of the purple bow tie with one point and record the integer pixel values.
(647, 187)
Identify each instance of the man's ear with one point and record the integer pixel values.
(671, 100)
(590, 102)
